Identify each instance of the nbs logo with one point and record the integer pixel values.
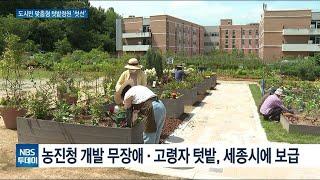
(27, 155)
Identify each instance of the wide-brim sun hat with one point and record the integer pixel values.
(133, 64)
(117, 95)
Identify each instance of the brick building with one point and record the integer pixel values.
(243, 38)
(163, 32)
(289, 33)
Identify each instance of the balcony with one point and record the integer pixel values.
(301, 32)
(301, 47)
(136, 47)
(136, 35)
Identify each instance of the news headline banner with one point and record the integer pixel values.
(167, 155)
(52, 13)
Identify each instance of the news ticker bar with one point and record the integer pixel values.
(53, 13)
(167, 155)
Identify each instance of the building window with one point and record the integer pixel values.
(257, 32)
(257, 41)
(233, 41)
(227, 32)
(226, 41)
(233, 46)
(250, 32)
(242, 41)
(243, 32)
(233, 32)
(226, 46)
(226, 36)
(249, 41)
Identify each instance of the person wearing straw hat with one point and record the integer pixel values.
(134, 73)
(272, 107)
(140, 99)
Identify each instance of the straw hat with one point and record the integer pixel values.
(117, 95)
(133, 63)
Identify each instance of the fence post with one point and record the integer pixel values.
(262, 86)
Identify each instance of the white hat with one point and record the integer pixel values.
(279, 92)
(133, 63)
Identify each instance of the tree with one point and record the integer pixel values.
(154, 60)
(63, 46)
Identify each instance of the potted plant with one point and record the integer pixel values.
(12, 103)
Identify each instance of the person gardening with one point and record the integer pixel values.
(179, 73)
(134, 73)
(266, 95)
(272, 107)
(140, 99)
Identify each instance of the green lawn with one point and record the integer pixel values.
(275, 131)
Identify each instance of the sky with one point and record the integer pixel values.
(205, 13)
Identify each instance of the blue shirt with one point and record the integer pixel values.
(178, 75)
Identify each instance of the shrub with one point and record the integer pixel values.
(154, 60)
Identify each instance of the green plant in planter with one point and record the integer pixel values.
(61, 112)
(168, 94)
(40, 104)
(11, 69)
(97, 109)
(120, 118)
(109, 89)
(11, 66)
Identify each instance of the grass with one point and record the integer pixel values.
(275, 132)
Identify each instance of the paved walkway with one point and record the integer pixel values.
(228, 115)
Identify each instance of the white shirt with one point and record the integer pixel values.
(139, 94)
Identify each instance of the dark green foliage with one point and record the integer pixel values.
(305, 69)
(61, 35)
(154, 59)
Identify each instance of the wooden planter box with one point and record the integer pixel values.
(189, 96)
(39, 131)
(201, 88)
(174, 107)
(211, 82)
(302, 129)
(208, 83)
(214, 81)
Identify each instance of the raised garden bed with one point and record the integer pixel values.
(201, 87)
(295, 124)
(190, 96)
(174, 107)
(51, 132)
